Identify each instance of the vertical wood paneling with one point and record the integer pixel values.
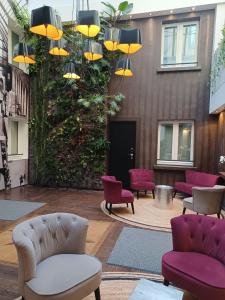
(152, 96)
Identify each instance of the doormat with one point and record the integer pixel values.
(141, 249)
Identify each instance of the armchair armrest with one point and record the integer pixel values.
(181, 233)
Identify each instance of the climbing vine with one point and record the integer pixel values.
(218, 62)
(68, 118)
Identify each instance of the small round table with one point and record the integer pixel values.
(164, 196)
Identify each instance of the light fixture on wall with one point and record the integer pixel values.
(69, 71)
(22, 53)
(88, 22)
(111, 38)
(130, 40)
(93, 50)
(123, 68)
(58, 48)
(45, 22)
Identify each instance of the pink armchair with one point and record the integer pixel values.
(197, 262)
(114, 194)
(142, 180)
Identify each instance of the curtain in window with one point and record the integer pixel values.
(189, 44)
(170, 45)
(166, 139)
(184, 142)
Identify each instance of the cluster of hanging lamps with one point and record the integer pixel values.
(58, 48)
(45, 22)
(88, 23)
(22, 53)
(123, 68)
(69, 71)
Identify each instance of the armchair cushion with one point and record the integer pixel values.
(58, 273)
(127, 196)
(147, 185)
(198, 266)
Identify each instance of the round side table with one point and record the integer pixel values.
(164, 196)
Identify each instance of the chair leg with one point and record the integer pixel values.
(106, 205)
(132, 205)
(174, 195)
(166, 282)
(110, 208)
(97, 294)
(218, 215)
(137, 194)
(153, 194)
(127, 204)
(184, 209)
(145, 192)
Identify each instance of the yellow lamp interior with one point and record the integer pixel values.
(88, 30)
(24, 59)
(71, 76)
(110, 45)
(48, 30)
(129, 48)
(124, 72)
(92, 56)
(58, 51)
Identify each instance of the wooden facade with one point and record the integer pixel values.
(154, 94)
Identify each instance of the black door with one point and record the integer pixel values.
(122, 135)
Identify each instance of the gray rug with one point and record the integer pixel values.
(11, 210)
(141, 249)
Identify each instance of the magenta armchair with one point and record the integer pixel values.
(197, 262)
(115, 194)
(142, 180)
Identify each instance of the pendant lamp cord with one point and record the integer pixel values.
(88, 5)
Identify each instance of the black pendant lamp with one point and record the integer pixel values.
(88, 22)
(123, 68)
(111, 38)
(45, 22)
(69, 71)
(58, 48)
(23, 54)
(130, 40)
(93, 50)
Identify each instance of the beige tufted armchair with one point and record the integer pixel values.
(205, 200)
(52, 260)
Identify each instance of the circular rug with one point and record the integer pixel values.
(147, 214)
(119, 286)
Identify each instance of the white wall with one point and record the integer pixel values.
(65, 7)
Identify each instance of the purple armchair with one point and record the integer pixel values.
(142, 180)
(114, 194)
(197, 262)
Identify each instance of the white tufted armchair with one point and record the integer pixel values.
(52, 260)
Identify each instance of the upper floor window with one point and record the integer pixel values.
(175, 143)
(15, 40)
(179, 44)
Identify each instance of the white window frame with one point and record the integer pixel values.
(175, 141)
(179, 44)
(22, 138)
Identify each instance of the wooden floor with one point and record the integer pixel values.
(83, 203)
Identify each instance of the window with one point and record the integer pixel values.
(14, 137)
(175, 143)
(179, 44)
(15, 40)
